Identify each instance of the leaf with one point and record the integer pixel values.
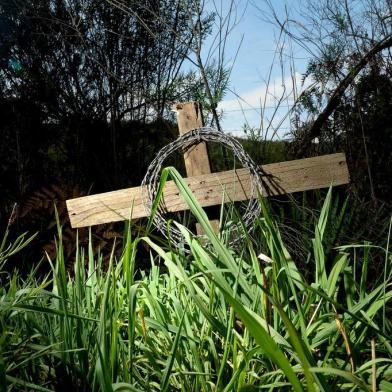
(170, 361)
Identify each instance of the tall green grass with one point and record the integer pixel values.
(211, 319)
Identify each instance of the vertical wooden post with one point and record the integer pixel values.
(189, 117)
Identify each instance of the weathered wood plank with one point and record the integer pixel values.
(286, 177)
(189, 116)
(196, 158)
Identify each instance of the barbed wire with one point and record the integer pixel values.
(185, 142)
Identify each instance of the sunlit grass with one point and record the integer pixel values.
(213, 319)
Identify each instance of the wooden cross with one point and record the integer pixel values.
(208, 188)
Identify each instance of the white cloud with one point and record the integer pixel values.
(271, 94)
(246, 108)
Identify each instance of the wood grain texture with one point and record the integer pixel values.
(212, 189)
(189, 116)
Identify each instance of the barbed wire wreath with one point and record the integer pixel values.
(150, 181)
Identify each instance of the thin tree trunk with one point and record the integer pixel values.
(334, 100)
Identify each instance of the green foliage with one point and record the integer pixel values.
(211, 319)
(261, 151)
(86, 90)
(344, 38)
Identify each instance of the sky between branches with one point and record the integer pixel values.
(257, 41)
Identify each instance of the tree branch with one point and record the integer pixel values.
(334, 100)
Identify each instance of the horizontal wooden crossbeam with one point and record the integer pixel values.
(209, 189)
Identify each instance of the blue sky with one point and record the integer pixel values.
(257, 41)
